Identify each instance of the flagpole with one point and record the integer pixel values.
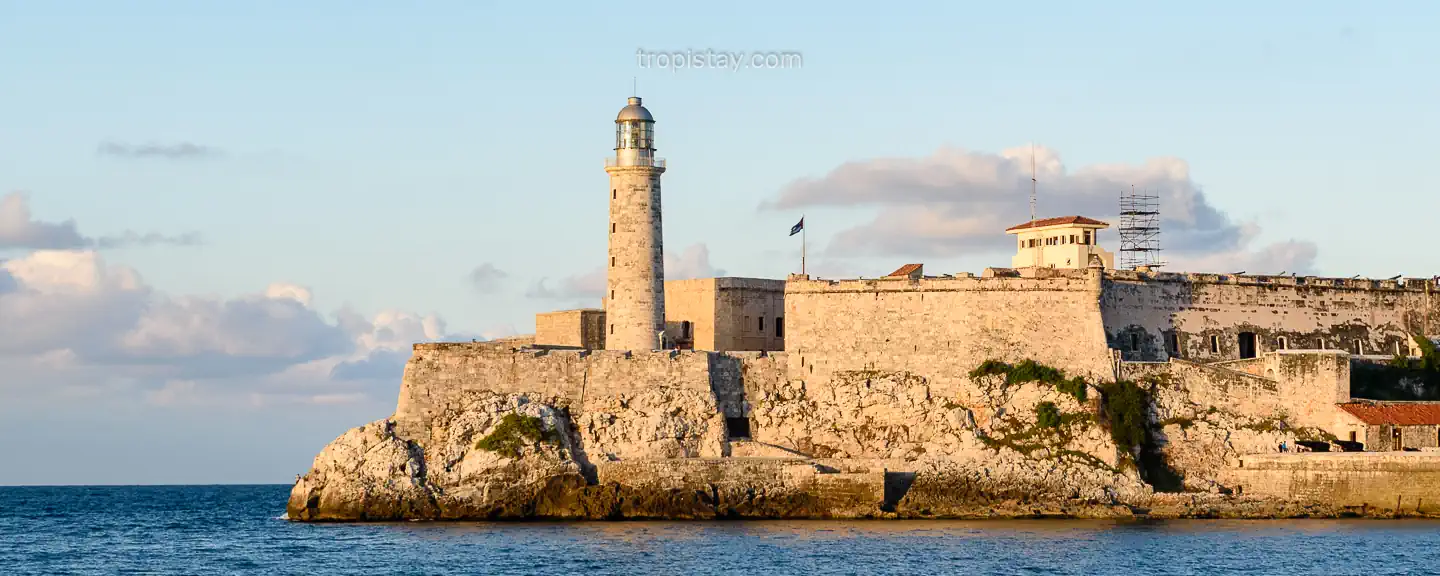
(802, 244)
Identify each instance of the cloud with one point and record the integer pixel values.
(176, 151)
(70, 317)
(955, 202)
(486, 278)
(19, 230)
(589, 285)
(692, 262)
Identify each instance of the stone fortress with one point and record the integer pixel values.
(810, 397)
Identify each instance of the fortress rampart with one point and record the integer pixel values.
(942, 328)
(1209, 317)
(1398, 482)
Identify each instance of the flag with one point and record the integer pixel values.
(798, 226)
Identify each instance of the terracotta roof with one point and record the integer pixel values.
(1057, 221)
(905, 270)
(1408, 414)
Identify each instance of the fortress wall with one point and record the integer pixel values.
(740, 304)
(1403, 481)
(1356, 315)
(942, 328)
(1206, 385)
(438, 376)
(740, 378)
(1302, 387)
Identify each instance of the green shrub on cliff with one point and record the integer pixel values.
(513, 432)
(990, 368)
(1031, 371)
(1047, 415)
(1125, 414)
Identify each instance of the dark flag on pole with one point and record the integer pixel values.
(798, 226)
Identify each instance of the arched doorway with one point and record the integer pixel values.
(1247, 345)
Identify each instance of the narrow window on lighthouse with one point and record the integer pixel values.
(612, 227)
(612, 261)
(614, 194)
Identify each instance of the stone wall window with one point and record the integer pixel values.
(612, 227)
(685, 329)
(612, 261)
(1087, 236)
(614, 194)
(1172, 344)
(779, 326)
(1282, 343)
(762, 322)
(1214, 344)
(1134, 342)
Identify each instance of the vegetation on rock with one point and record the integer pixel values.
(1031, 371)
(513, 432)
(1047, 415)
(1126, 414)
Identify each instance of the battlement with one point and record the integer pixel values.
(1422, 285)
(993, 279)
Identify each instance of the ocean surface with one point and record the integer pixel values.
(240, 530)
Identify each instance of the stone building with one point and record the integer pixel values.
(580, 328)
(716, 314)
(1261, 343)
(1388, 426)
(1064, 242)
(724, 314)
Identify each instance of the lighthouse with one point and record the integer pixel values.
(635, 278)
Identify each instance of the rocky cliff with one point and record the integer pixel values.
(863, 444)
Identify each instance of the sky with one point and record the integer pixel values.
(223, 224)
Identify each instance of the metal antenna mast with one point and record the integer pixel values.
(1139, 230)
(1032, 184)
(1039, 245)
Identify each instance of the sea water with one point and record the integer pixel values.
(241, 530)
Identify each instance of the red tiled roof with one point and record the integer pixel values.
(1416, 414)
(905, 270)
(1056, 221)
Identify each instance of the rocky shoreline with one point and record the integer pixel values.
(485, 464)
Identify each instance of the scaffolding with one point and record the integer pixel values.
(1139, 230)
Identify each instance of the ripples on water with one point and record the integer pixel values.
(237, 530)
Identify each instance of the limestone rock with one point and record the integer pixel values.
(367, 473)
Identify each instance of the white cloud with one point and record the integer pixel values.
(74, 322)
(692, 262)
(958, 202)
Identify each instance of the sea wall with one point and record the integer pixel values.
(1407, 482)
(439, 376)
(942, 328)
(1156, 315)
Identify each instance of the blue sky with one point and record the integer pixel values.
(350, 165)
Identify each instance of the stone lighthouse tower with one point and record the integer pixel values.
(635, 302)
